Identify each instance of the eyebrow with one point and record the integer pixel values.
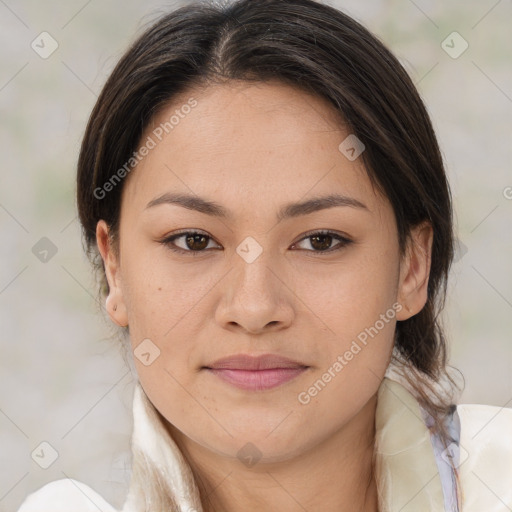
(291, 210)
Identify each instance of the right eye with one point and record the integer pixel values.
(192, 242)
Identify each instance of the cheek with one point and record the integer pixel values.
(355, 305)
(166, 304)
(159, 294)
(352, 295)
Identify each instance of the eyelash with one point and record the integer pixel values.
(168, 241)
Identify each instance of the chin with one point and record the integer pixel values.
(260, 441)
(252, 450)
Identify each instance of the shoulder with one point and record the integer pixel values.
(485, 456)
(65, 495)
(486, 426)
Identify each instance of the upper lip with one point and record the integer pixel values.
(261, 362)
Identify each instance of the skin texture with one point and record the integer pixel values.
(253, 148)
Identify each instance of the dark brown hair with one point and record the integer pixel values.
(314, 47)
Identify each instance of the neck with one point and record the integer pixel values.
(334, 476)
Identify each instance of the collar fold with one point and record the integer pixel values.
(407, 475)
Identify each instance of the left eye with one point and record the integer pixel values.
(196, 242)
(322, 240)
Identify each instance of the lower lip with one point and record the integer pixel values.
(257, 380)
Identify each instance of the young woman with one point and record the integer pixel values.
(263, 194)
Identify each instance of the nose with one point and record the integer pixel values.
(256, 296)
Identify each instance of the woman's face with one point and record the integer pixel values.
(254, 166)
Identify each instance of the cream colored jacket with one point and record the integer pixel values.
(414, 473)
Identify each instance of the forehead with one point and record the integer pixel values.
(261, 99)
(247, 143)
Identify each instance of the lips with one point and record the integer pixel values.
(262, 362)
(256, 372)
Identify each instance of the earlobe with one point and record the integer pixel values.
(415, 271)
(114, 304)
(116, 309)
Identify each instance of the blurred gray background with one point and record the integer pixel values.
(64, 380)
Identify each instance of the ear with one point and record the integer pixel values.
(415, 271)
(115, 304)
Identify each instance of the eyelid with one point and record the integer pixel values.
(338, 234)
